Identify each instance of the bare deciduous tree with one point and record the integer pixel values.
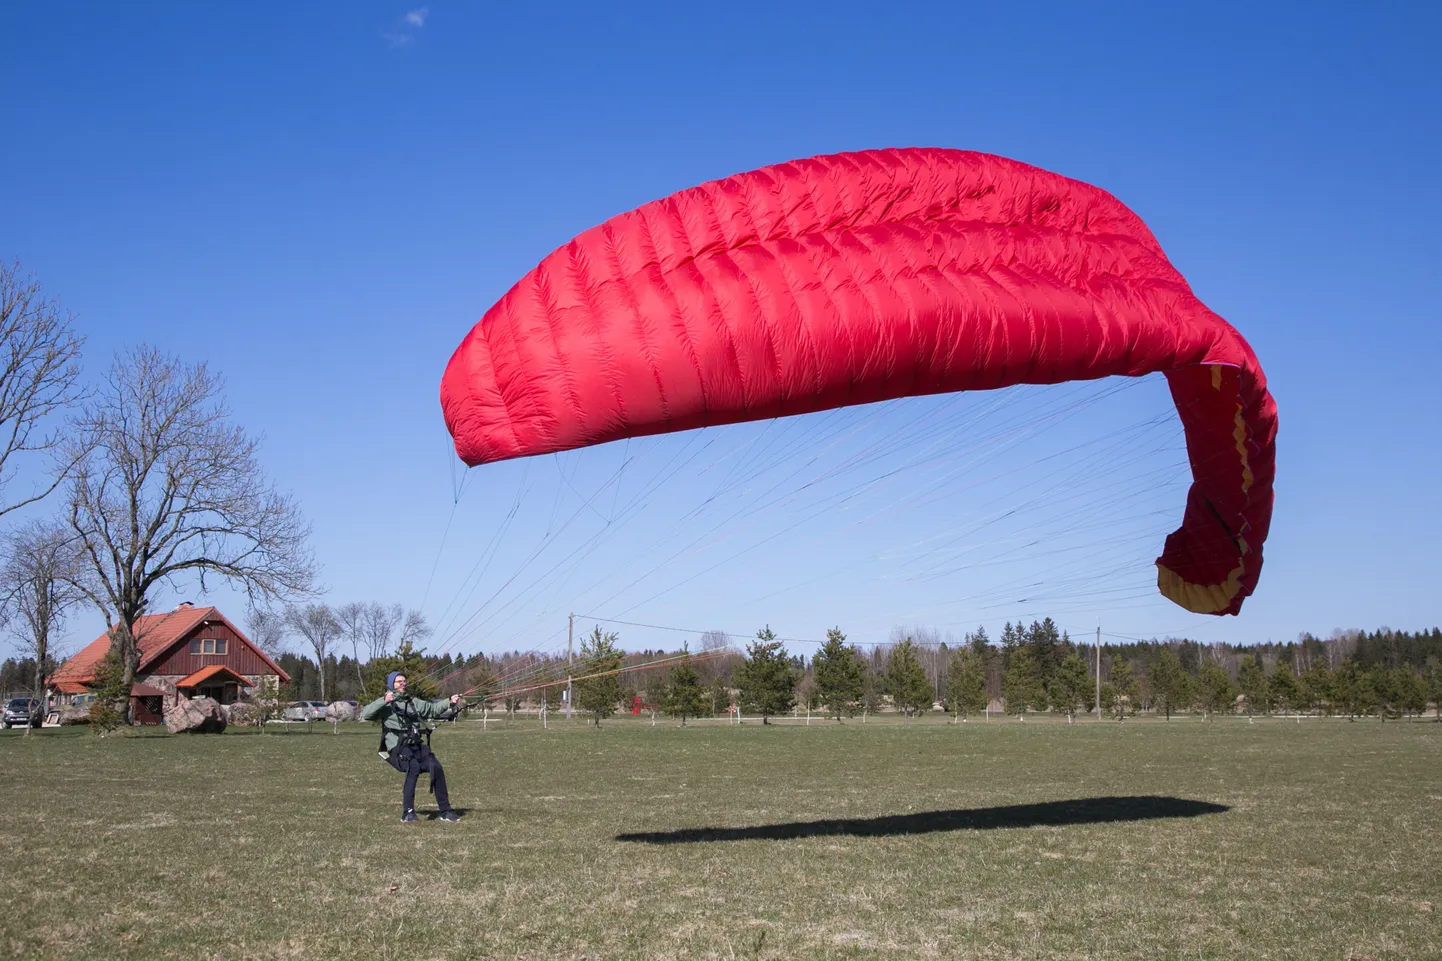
(380, 625)
(268, 630)
(374, 625)
(39, 585)
(414, 629)
(39, 370)
(352, 618)
(166, 487)
(317, 624)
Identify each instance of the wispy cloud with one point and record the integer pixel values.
(407, 28)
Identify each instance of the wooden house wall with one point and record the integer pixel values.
(238, 656)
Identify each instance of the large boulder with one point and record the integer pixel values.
(242, 713)
(199, 715)
(74, 715)
(341, 711)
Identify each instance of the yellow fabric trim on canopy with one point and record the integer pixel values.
(1200, 598)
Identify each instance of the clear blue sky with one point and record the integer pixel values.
(321, 199)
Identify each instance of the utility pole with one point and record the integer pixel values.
(570, 637)
(1099, 670)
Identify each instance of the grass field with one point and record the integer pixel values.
(999, 840)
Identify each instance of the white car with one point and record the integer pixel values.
(304, 711)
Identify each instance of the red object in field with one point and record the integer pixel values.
(636, 704)
(860, 277)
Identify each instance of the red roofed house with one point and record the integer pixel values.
(188, 652)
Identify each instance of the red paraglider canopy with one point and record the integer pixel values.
(862, 277)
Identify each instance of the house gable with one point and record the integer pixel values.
(214, 642)
(165, 648)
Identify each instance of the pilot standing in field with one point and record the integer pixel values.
(406, 741)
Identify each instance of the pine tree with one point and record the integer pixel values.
(1217, 693)
(965, 684)
(411, 663)
(906, 680)
(1119, 693)
(1434, 687)
(1168, 681)
(598, 695)
(1411, 690)
(870, 692)
(1021, 687)
(1346, 680)
(1070, 686)
(684, 697)
(767, 678)
(1317, 687)
(1044, 646)
(1283, 691)
(840, 675)
(1253, 683)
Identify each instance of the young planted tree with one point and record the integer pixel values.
(718, 695)
(165, 488)
(1216, 692)
(806, 692)
(1169, 683)
(1411, 688)
(1283, 691)
(871, 684)
(1253, 682)
(1071, 686)
(38, 589)
(684, 697)
(1119, 693)
(840, 675)
(1021, 685)
(1317, 688)
(767, 677)
(598, 695)
(906, 681)
(265, 701)
(966, 692)
(318, 624)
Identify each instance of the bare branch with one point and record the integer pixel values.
(318, 625)
(41, 581)
(39, 372)
(268, 630)
(165, 487)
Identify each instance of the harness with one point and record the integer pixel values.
(415, 734)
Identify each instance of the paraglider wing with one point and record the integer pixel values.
(861, 277)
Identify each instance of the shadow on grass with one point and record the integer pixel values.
(1096, 810)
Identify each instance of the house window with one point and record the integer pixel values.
(208, 645)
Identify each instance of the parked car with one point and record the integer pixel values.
(304, 711)
(22, 711)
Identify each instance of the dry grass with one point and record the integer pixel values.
(996, 840)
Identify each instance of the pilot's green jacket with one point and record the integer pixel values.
(402, 712)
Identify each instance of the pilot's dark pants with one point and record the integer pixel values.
(411, 761)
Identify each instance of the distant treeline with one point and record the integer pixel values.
(1029, 667)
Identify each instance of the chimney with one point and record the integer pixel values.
(184, 606)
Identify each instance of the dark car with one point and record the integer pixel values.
(20, 711)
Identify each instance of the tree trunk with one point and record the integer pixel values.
(122, 641)
(360, 678)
